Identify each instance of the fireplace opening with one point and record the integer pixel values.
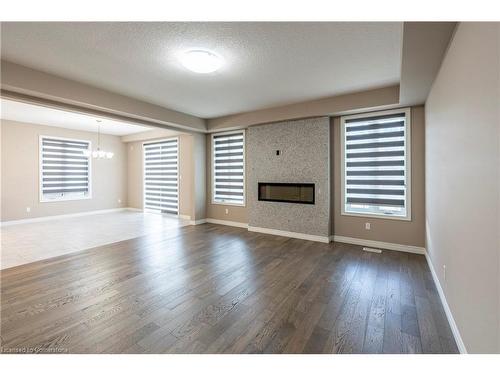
(286, 192)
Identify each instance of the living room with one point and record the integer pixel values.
(250, 187)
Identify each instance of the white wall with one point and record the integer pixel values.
(463, 182)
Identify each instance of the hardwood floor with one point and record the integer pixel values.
(218, 289)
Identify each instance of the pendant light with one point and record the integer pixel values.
(99, 154)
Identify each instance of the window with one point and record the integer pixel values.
(376, 164)
(161, 176)
(228, 168)
(64, 169)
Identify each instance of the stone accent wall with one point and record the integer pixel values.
(304, 157)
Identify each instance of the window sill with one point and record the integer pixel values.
(377, 216)
(228, 204)
(64, 199)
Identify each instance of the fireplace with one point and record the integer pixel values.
(286, 192)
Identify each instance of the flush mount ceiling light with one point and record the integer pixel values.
(98, 154)
(200, 61)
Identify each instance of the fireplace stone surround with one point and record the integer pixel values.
(290, 152)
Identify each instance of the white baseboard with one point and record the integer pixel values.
(173, 216)
(449, 315)
(184, 217)
(55, 217)
(227, 222)
(134, 209)
(283, 233)
(379, 244)
(86, 213)
(197, 222)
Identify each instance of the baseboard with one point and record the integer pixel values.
(134, 209)
(183, 217)
(55, 217)
(379, 244)
(283, 233)
(227, 222)
(447, 310)
(197, 222)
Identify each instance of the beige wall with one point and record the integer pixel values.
(20, 173)
(420, 60)
(394, 231)
(377, 98)
(218, 211)
(117, 179)
(386, 230)
(18, 79)
(462, 188)
(199, 191)
(382, 230)
(186, 175)
(134, 174)
(186, 168)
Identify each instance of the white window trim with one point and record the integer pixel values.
(407, 112)
(212, 166)
(40, 173)
(178, 174)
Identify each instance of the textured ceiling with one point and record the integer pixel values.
(34, 114)
(266, 64)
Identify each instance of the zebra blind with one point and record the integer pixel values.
(64, 169)
(161, 172)
(376, 164)
(228, 158)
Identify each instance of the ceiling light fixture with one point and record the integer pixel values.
(98, 154)
(200, 61)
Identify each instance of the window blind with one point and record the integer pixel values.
(229, 168)
(375, 164)
(161, 182)
(65, 170)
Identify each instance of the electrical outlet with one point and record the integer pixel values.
(444, 272)
(227, 211)
(28, 209)
(367, 226)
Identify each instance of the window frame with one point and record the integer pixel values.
(212, 166)
(143, 165)
(408, 165)
(40, 170)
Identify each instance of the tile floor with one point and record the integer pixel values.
(26, 243)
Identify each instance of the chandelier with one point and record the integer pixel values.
(98, 154)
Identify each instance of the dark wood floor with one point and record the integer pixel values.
(218, 289)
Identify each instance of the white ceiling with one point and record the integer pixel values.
(34, 114)
(266, 64)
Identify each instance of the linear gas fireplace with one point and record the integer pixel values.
(286, 192)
